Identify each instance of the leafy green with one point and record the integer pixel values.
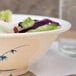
(45, 28)
(27, 22)
(5, 15)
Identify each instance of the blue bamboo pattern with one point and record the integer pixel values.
(14, 50)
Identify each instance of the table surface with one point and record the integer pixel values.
(54, 63)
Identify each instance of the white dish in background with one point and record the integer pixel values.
(21, 50)
(54, 63)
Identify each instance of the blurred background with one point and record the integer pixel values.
(37, 7)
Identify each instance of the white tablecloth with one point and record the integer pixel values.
(54, 63)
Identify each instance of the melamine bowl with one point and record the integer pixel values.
(20, 50)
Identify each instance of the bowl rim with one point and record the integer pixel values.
(65, 25)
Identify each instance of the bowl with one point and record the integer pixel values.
(18, 51)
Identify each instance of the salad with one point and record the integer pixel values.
(27, 25)
(5, 15)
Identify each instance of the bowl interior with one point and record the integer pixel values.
(65, 25)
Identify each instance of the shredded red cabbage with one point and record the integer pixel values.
(38, 24)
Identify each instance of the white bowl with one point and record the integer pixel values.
(20, 50)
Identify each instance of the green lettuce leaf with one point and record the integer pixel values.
(45, 28)
(5, 15)
(27, 22)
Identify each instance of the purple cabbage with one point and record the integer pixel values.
(38, 24)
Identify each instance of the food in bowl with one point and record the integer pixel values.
(18, 51)
(30, 25)
(5, 15)
(27, 25)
